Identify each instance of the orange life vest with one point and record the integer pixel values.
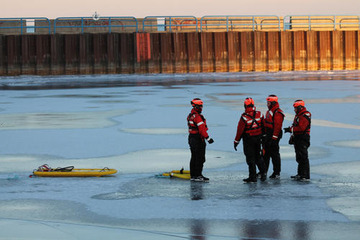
(193, 125)
(269, 118)
(253, 126)
(299, 123)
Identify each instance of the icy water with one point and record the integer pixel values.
(137, 125)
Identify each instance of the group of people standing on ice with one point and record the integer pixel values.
(261, 136)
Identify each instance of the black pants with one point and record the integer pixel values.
(252, 149)
(272, 150)
(301, 145)
(197, 147)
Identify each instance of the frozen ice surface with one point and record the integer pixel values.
(137, 124)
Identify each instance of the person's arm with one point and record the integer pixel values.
(240, 130)
(201, 126)
(278, 121)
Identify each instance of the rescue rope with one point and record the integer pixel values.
(46, 168)
(64, 169)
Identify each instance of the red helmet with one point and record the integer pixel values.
(298, 103)
(249, 102)
(197, 102)
(272, 98)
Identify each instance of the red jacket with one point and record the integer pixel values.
(302, 123)
(248, 125)
(273, 121)
(197, 124)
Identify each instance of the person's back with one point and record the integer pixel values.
(250, 130)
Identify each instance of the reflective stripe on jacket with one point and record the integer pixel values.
(253, 122)
(250, 124)
(302, 123)
(197, 124)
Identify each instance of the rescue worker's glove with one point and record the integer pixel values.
(263, 138)
(235, 145)
(210, 140)
(272, 142)
(287, 130)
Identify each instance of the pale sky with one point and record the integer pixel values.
(198, 8)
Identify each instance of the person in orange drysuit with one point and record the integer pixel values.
(300, 130)
(250, 129)
(273, 121)
(197, 136)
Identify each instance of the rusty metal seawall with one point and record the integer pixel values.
(190, 52)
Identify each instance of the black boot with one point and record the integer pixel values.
(250, 180)
(263, 177)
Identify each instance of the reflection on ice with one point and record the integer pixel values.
(196, 191)
(224, 197)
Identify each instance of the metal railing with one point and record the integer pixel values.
(169, 23)
(85, 24)
(240, 23)
(63, 25)
(349, 22)
(321, 22)
(24, 25)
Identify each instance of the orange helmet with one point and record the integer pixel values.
(298, 103)
(197, 102)
(249, 102)
(272, 98)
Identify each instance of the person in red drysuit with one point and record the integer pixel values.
(273, 121)
(250, 129)
(300, 130)
(197, 135)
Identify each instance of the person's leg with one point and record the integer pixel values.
(266, 156)
(197, 148)
(249, 151)
(304, 164)
(275, 157)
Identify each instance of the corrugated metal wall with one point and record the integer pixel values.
(190, 52)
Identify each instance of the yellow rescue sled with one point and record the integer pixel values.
(183, 174)
(46, 171)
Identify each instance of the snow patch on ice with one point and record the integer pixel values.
(155, 130)
(288, 152)
(146, 161)
(17, 158)
(349, 206)
(344, 183)
(324, 123)
(347, 143)
(350, 99)
(341, 170)
(60, 120)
